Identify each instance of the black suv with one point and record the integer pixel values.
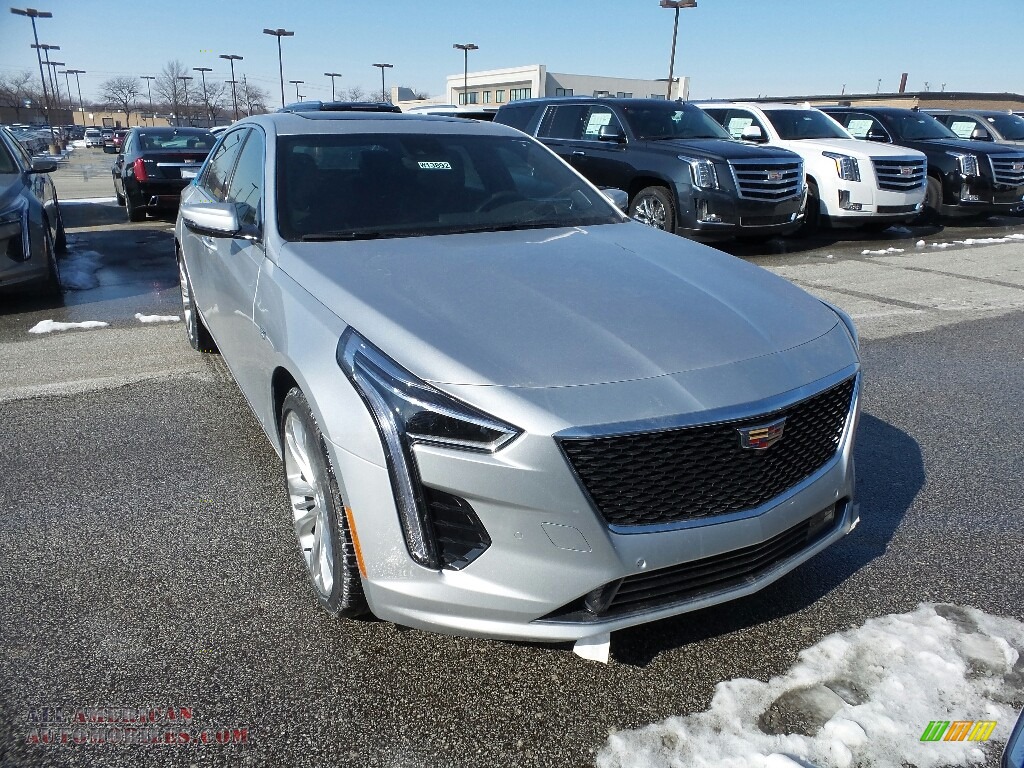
(965, 178)
(682, 171)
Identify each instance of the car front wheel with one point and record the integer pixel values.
(653, 206)
(318, 511)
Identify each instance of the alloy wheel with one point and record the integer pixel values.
(306, 493)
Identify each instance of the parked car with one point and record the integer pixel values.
(35, 139)
(468, 111)
(982, 124)
(112, 143)
(681, 169)
(155, 164)
(93, 137)
(31, 227)
(965, 178)
(849, 182)
(504, 408)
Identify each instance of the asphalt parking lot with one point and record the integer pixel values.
(147, 560)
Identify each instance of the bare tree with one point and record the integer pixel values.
(215, 99)
(252, 98)
(170, 88)
(122, 93)
(356, 93)
(14, 90)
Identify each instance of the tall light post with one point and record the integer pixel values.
(383, 92)
(81, 104)
(465, 48)
(56, 82)
(279, 33)
(149, 89)
(332, 75)
(33, 14)
(46, 51)
(206, 100)
(185, 79)
(676, 4)
(296, 84)
(67, 82)
(232, 58)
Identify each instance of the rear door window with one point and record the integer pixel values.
(564, 121)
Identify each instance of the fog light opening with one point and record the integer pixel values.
(705, 216)
(822, 521)
(967, 196)
(597, 601)
(845, 204)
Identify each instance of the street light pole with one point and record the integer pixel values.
(676, 4)
(232, 58)
(465, 48)
(296, 84)
(81, 104)
(383, 92)
(332, 75)
(33, 14)
(279, 33)
(56, 81)
(185, 79)
(206, 99)
(149, 89)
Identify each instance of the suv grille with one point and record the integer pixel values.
(900, 174)
(768, 180)
(1008, 169)
(675, 475)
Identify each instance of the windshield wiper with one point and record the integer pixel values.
(345, 234)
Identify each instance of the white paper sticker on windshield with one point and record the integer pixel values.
(437, 165)
(737, 124)
(859, 128)
(596, 120)
(963, 128)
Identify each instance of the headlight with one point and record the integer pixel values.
(967, 164)
(702, 172)
(846, 166)
(14, 233)
(409, 411)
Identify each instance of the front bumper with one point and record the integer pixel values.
(720, 214)
(976, 195)
(549, 547)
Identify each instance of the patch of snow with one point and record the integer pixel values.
(156, 318)
(49, 326)
(920, 243)
(83, 200)
(78, 270)
(78, 143)
(857, 698)
(881, 253)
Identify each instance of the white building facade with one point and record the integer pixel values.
(497, 86)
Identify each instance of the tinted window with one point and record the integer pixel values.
(916, 126)
(671, 120)
(596, 118)
(1010, 127)
(859, 124)
(517, 117)
(794, 124)
(246, 188)
(218, 169)
(563, 122)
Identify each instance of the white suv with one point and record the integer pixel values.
(93, 137)
(849, 182)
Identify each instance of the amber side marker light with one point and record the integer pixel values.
(355, 542)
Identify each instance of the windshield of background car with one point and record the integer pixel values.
(795, 124)
(156, 140)
(359, 186)
(1010, 127)
(670, 120)
(916, 126)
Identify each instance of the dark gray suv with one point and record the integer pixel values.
(683, 172)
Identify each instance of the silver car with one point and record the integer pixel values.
(31, 227)
(504, 409)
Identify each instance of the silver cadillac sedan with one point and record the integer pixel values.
(504, 409)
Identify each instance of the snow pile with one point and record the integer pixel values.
(78, 270)
(1016, 237)
(881, 253)
(920, 243)
(156, 318)
(49, 326)
(858, 698)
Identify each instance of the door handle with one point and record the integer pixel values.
(578, 153)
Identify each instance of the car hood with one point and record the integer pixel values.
(721, 149)
(961, 145)
(555, 307)
(853, 147)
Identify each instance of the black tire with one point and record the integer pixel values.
(932, 202)
(118, 195)
(199, 337)
(812, 211)
(60, 243)
(345, 598)
(135, 213)
(51, 284)
(653, 206)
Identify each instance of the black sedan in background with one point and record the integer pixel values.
(155, 164)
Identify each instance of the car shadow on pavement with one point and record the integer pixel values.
(825, 238)
(890, 472)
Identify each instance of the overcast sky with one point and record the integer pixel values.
(729, 48)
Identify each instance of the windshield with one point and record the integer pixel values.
(916, 126)
(1010, 127)
(794, 124)
(671, 120)
(358, 186)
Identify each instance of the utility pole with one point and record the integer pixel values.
(149, 88)
(383, 92)
(206, 100)
(33, 14)
(676, 4)
(332, 75)
(465, 48)
(232, 58)
(279, 33)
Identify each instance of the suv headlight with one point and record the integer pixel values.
(846, 166)
(407, 411)
(966, 163)
(14, 232)
(702, 172)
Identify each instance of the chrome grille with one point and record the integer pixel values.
(768, 180)
(1008, 169)
(653, 478)
(900, 174)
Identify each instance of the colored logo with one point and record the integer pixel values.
(774, 175)
(907, 170)
(958, 730)
(762, 437)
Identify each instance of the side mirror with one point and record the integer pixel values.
(753, 133)
(980, 134)
(876, 134)
(213, 219)
(611, 133)
(1013, 755)
(43, 165)
(617, 197)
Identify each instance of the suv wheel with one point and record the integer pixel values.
(653, 206)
